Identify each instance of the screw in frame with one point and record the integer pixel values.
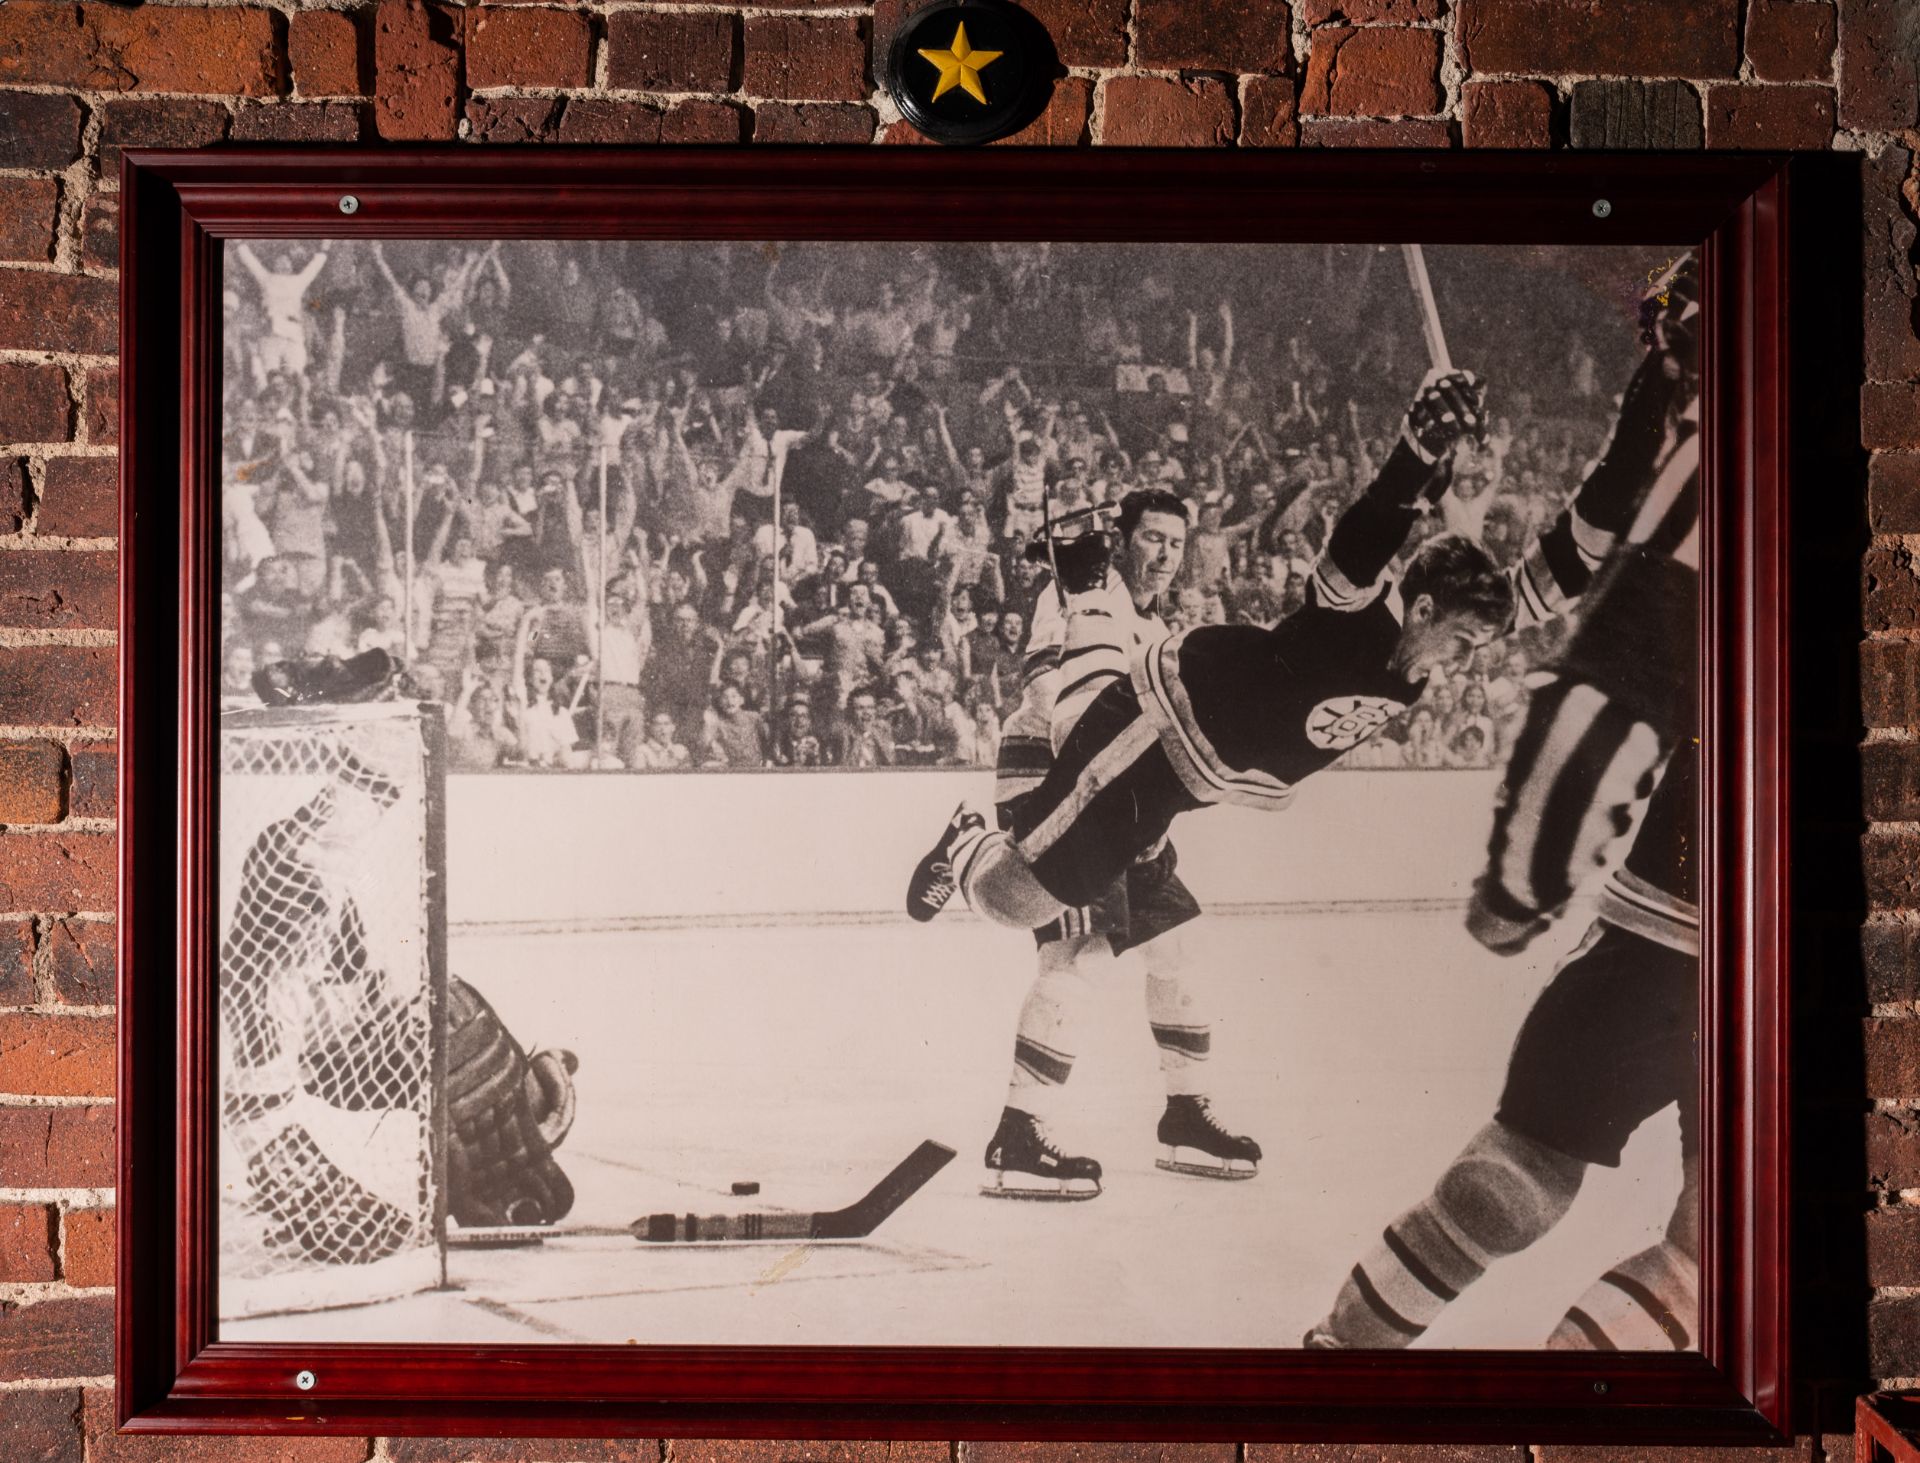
(1601, 208)
(349, 204)
(304, 1380)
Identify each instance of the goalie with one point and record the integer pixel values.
(309, 1015)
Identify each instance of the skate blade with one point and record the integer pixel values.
(1205, 1165)
(1059, 1193)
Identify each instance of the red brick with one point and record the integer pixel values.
(70, 590)
(65, 1337)
(597, 119)
(1340, 132)
(1891, 862)
(502, 1450)
(1392, 1453)
(513, 45)
(1268, 112)
(18, 986)
(1063, 123)
(14, 495)
(57, 312)
(29, 214)
(1177, 33)
(324, 46)
(804, 58)
(82, 957)
(1891, 587)
(1890, 682)
(57, 1056)
(1369, 12)
(827, 123)
(80, 497)
(1084, 32)
(105, 1445)
(42, 1425)
(1890, 780)
(300, 122)
(1587, 38)
(57, 1147)
(100, 406)
(512, 119)
(1151, 111)
(156, 122)
(1790, 40)
(1893, 1334)
(32, 782)
(93, 766)
(1025, 1452)
(57, 873)
(1892, 320)
(26, 1243)
(86, 1247)
(1888, 951)
(57, 685)
(1889, 415)
(1893, 1150)
(34, 402)
(1507, 114)
(1879, 69)
(416, 72)
(701, 122)
(1893, 1247)
(38, 130)
(1801, 1451)
(100, 231)
(1767, 118)
(1378, 72)
(218, 51)
(1893, 492)
(671, 52)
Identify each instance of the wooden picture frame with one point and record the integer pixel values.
(172, 1376)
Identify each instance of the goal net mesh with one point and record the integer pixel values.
(331, 989)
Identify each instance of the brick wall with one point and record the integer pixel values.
(78, 81)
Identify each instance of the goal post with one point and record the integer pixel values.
(332, 995)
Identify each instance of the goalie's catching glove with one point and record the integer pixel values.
(368, 676)
(1448, 406)
(505, 1116)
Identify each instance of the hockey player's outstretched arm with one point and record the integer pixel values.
(1642, 452)
(1447, 407)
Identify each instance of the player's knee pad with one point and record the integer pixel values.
(1647, 1303)
(1505, 1191)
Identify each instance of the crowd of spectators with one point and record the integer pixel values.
(653, 506)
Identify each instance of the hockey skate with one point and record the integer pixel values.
(932, 883)
(1197, 1144)
(1022, 1163)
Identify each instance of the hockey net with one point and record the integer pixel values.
(332, 989)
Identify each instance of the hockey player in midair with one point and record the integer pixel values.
(1235, 713)
(1113, 581)
(1611, 1040)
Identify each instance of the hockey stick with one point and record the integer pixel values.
(1429, 311)
(858, 1219)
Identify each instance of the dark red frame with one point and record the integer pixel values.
(177, 207)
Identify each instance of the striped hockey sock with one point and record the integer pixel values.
(1500, 1195)
(1181, 1032)
(1647, 1303)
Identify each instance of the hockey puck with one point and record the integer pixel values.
(746, 1186)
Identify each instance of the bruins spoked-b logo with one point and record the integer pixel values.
(1340, 722)
(968, 71)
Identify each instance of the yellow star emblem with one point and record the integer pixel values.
(960, 65)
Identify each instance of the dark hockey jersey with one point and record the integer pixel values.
(1246, 713)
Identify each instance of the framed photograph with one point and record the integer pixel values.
(944, 795)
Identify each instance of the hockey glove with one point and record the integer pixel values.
(369, 676)
(1670, 320)
(500, 1159)
(1448, 406)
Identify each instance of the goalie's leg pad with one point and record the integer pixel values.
(1499, 1196)
(500, 1162)
(1646, 1303)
